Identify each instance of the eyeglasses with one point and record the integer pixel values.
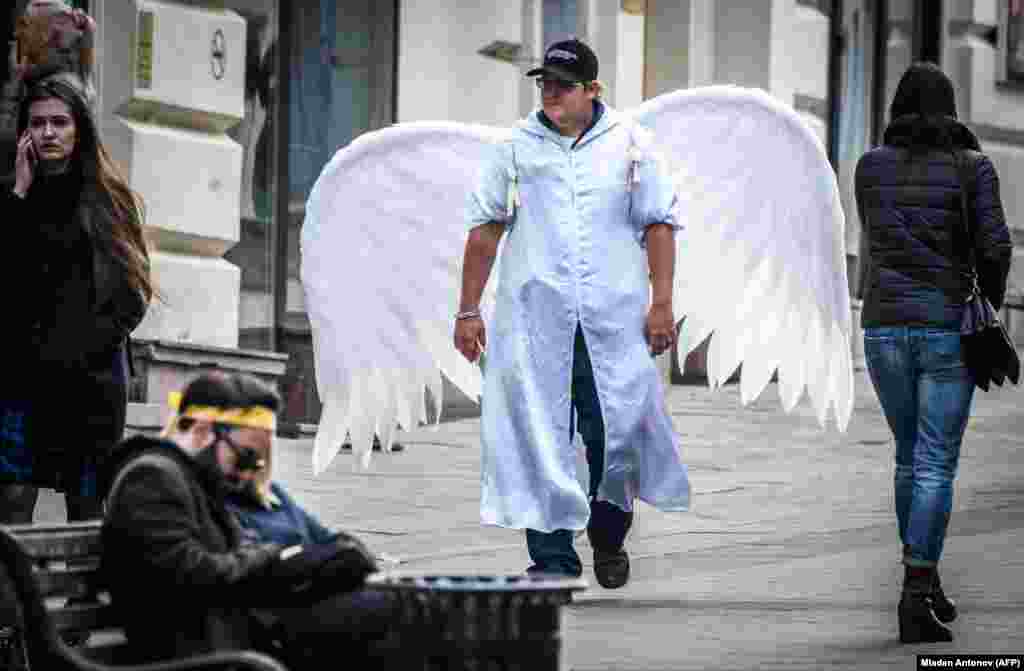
(555, 85)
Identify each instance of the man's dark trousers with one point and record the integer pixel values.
(553, 552)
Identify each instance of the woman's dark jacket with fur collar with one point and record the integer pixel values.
(69, 310)
(915, 269)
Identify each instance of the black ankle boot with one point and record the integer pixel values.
(943, 607)
(918, 623)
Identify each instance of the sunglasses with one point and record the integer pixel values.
(246, 458)
(555, 85)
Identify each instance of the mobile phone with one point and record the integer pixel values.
(32, 155)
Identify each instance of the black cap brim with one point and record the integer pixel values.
(554, 71)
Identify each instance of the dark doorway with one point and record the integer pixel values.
(338, 72)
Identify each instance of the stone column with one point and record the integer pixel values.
(172, 82)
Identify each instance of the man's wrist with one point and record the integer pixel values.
(473, 313)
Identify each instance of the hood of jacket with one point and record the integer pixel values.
(938, 132)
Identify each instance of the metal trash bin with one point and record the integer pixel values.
(478, 623)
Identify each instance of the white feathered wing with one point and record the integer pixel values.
(381, 253)
(761, 263)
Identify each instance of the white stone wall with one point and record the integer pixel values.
(995, 110)
(442, 77)
(627, 89)
(169, 140)
(440, 74)
(776, 45)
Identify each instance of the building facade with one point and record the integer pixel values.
(223, 113)
(838, 62)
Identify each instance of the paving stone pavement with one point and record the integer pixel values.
(787, 560)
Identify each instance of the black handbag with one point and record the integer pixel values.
(988, 352)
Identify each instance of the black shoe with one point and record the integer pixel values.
(943, 607)
(917, 620)
(918, 624)
(611, 568)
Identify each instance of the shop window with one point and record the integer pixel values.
(561, 18)
(340, 84)
(255, 251)
(1011, 42)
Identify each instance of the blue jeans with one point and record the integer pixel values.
(553, 552)
(925, 391)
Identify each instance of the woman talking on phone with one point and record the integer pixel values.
(76, 280)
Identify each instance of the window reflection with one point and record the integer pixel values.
(1015, 41)
(340, 84)
(560, 18)
(256, 134)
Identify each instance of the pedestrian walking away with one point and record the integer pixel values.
(78, 281)
(915, 282)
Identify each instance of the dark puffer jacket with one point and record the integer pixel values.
(913, 247)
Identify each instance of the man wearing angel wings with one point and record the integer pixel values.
(588, 214)
(576, 218)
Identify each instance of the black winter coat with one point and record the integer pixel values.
(912, 240)
(68, 313)
(172, 555)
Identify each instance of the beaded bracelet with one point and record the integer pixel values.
(468, 314)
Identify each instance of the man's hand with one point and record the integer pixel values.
(481, 248)
(470, 337)
(660, 329)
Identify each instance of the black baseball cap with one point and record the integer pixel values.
(569, 60)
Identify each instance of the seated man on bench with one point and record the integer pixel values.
(174, 556)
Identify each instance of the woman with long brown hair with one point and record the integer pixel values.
(77, 278)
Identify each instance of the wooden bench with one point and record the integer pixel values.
(42, 568)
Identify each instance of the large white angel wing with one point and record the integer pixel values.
(381, 256)
(761, 262)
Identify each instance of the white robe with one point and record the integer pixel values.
(573, 253)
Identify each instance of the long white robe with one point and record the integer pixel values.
(573, 254)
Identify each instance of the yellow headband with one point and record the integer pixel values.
(254, 417)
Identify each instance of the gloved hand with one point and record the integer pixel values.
(297, 566)
(348, 563)
(339, 565)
